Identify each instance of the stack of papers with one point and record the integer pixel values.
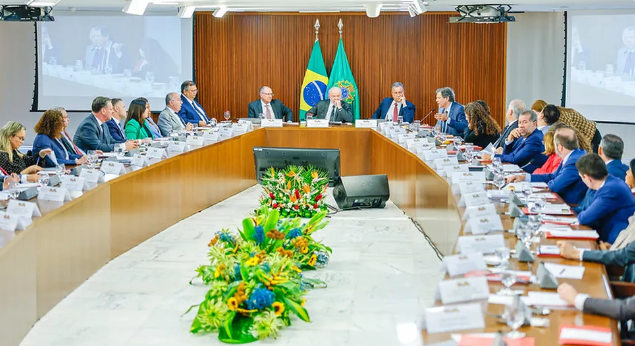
(572, 234)
(547, 219)
(553, 209)
(497, 194)
(547, 299)
(565, 272)
(585, 335)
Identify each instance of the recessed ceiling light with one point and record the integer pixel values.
(220, 12)
(136, 7)
(41, 3)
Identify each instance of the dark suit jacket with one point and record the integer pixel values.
(506, 131)
(566, 181)
(344, 114)
(408, 112)
(617, 169)
(612, 205)
(89, 137)
(458, 124)
(42, 142)
(522, 152)
(116, 132)
(189, 114)
(280, 111)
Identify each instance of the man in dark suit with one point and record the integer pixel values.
(451, 117)
(93, 134)
(268, 107)
(619, 309)
(396, 106)
(565, 181)
(333, 109)
(105, 55)
(191, 111)
(514, 110)
(529, 148)
(115, 124)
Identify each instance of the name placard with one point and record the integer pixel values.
(177, 147)
(481, 210)
(226, 132)
(11, 223)
(366, 123)
(248, 124)
(22, 208)
(466, 177)
(471, 187)
(240, 128)
(402, 138)
(480, 243)
(73, 183)
(271, 123)
(474, 199)
(483, 224)
(464, 263)
(441, 319)
(55, 194)
(111, 167)
(156, 153)
(211, 136)
(195, 140)
(92, 175)
(456, 168)
(138, 160)
(411, 144)
(463, 290)
(446, 161)
(434, 154)
(317, 123)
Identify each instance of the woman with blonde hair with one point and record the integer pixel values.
(12, 136)
(553, 160)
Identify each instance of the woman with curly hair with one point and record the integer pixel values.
(49, 136)
(482, 129)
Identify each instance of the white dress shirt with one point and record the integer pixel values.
(328, 113)
(391, 110)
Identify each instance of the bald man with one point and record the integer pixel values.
(333, 109)
(268, 107)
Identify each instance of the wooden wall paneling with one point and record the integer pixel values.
(237, 54)
(254, 139)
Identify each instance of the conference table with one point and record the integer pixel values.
(71, 241)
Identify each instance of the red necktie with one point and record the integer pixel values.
(395, 113)
(73, 143)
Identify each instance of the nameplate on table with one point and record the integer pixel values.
(195, 140)
(470, 187)
(484, 224)
(11, 223)
(480, 243)
(366, 123)
(55, 194)
(211, 136)
(402, 138)
(156, 153)
(226, 132)
(177, 147)
(73, 183)
(456, 168)
(139, 160)
(434, 154)
(466, 177)
(475, 199)
(462, 290)
(384, 126)
(249, 126)
(111, 167)
(92, 175)
(445, 161)
(22, 208)
(271, 123)
(413, 143)
(421, 150)
(464, 263)
(317, 123)
(240, 128)
(397, 131)
(481, 210)
(442, 319)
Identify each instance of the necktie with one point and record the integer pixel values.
(121, 131)
(200, 112)
(269, 112)
(103, 133)
(395, 113)
(77, 150)
(97, 60)
(332, 113)
(630, 63)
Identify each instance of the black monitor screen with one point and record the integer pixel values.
(278, 158)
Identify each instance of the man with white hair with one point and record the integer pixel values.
(333, 109)
(269, 108)
(515, 109)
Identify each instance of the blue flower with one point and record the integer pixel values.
(266, 267)
(259, 234)
(237, 274)
(260, 299)
(322, 259)
(226, 237)
(294, 233)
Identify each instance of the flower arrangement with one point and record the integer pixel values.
(255, 277)
(295, 190)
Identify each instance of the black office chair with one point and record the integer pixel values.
(595, 142)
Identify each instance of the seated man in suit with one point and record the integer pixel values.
(191, 111)
(268, 107)
(613, 203)
(93, 134)
(169, 120)
(619, 309)
(66, 138)
(514, 110)
(115, 124)
(451, 117)
(547, 117)
(396, 106)
(565, 181)
(528, 148)
(333, 109)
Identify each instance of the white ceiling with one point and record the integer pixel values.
(334, 5)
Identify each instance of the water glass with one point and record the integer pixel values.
(416, 125)
(107, 69)
(213, 122)
(92, 157)
(79, 65)
(499, 180)
(498, 165)
(60, 170)
(227, 115)
(13, 189)
(150, 77)
(523, 233)
(43, 179)
(503, 254)
(528, 190)
(508, 279)
(52, 61)
(127, 73)
(399, 120)
(261, 116)
(515, 317)
(540, 204)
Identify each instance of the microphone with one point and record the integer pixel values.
(427, 115)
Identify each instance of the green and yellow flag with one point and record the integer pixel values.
(342, 77)
(315, 80)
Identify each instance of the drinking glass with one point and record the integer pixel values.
(79, 65)
(458, 141)
(127, 73)
(43, 179)
(499, 180)
(194, 127)
(309, 116)
(92, 157)
(497, 164)
(227, 115)
(528, 191)
(534, 225)
(416, 125)
(60, 170)
(107, 69)
(399, 120)
(213, 122)
(261, 116)
(149, 76)
(508, 279)
(503, 254)
(469, 152)
(523, 233)
(13, 190)
(540, 204)
(52, 61)
(515, 317)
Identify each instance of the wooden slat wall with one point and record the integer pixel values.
(237, 54)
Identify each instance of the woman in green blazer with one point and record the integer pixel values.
(137, 114)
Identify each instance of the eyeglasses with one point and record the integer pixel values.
(194, 90)
(268, 94)
(21, 139)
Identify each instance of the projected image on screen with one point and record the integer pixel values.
(81, 57)
(601, 70)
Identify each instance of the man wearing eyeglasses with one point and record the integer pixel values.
(191, 111)
(268, 107)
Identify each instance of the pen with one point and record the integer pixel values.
(562, 271)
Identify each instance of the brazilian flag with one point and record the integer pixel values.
(315, 80)
(342, 77)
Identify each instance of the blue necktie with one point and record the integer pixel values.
(121, 131)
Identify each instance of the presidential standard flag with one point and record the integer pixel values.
(315, 80)
(342, 77)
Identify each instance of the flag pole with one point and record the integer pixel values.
(317, 29)
(340, 26)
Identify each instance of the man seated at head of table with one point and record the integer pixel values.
(396, 106)
(49, 136)
(12, 137)
(528, 148)
(333, 109)
(115, 124)
(482, 128)
(565, 181)
(169, 120)
(451, 117)
(191, 111)
(93, 133)
(514, 110)
(268, 108)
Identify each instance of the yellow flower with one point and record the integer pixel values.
(314, 174)
(303, 302)
(273, 172)
(312, 260)
(216, 273)
(305, 249)
(213, 241)
(278, 308)
(296, 269)
(291, 173)
(306, 188)
(289, 185)
(232, 303)
(252, 261)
